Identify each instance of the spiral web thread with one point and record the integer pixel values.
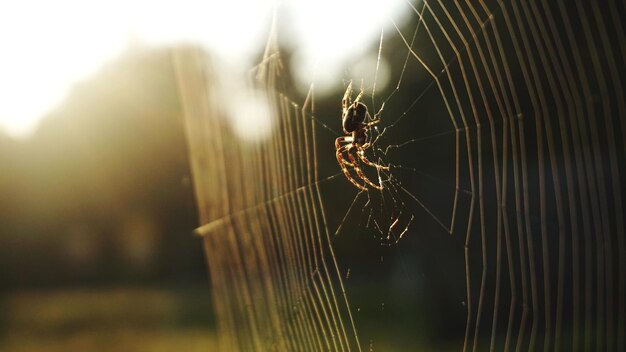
(534, 95)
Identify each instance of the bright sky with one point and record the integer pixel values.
(47, 46)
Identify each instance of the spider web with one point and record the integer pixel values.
(507, 145)
(276, 282)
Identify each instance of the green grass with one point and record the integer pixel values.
(120, 319)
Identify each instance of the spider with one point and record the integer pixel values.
(356, 122)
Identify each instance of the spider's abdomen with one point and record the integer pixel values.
(354, 117)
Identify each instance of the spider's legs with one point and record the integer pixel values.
(360, 173)
(373, 122)
(343, 139)
(376, 118)
(358, 97)
(380, 111)
(343, 163)
(338, 146)
(346, 97)
(361, 154)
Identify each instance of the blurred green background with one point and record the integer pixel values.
(96, 220)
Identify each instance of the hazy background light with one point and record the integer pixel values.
(46, 47)
(49, 46)
(333, 32)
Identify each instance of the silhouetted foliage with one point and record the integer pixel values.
(102, 190)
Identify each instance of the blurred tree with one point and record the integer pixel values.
(101, 191)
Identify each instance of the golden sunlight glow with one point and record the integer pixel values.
(45, 47)
(49, 46)
(338, 31)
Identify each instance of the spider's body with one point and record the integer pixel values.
(353, 122)
(356, 122)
